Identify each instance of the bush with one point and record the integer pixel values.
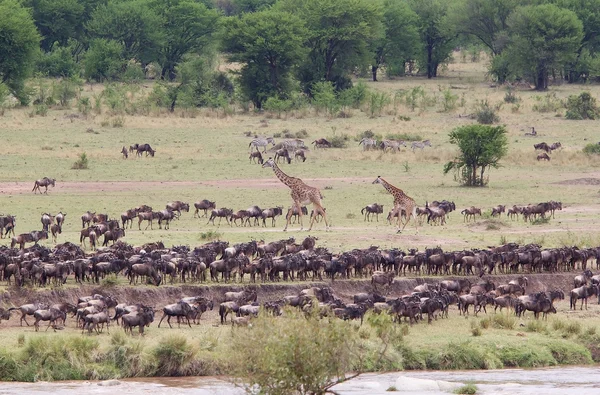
(547, 103)
(324, 98)
(65, 90)
(275, 104)
(592, 149)
(510, 97)
(449, 100)
(133, 73)
(413, 97)
(467, 389)
(58, 63)
(210, 235)
(82, 163)
(501, 321)
(354, 97)
(369, 135)
(582, 107)
(103, 60)
(338, 141)
(377, 102)
(173, 356)
(485, 113)
(298, 354)
(404, 136)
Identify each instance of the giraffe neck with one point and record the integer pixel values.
(390, 188)
(287, 180)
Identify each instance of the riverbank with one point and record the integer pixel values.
(490, 341)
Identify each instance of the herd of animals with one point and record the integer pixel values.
(286, 260)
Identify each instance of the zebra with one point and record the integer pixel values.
(421, 144)
(368, 143)
(292, 145)
(392, 145)
(261, 142)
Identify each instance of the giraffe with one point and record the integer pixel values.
(301, 194)
(402, 202)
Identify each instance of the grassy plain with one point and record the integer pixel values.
(206, 156)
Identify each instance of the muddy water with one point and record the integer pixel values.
(551, 381)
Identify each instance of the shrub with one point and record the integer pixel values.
(354, 97)
(275, 104)
(377, 102)
(103, 60)
(41, 109)
(133, 73)
(84, 105)
(536, 326)
(210, 235)
(173, 356)
(510, 97)
(301, 134)
(57, 63)
(582, 107)
(369, 135)
(338, 141)
(467, 389)
(127, 355)
(404, 136)
(324, 98)
(485, 113)
(501, 321)
(65, 90)
(299, 354)
(547, 103)
(592, 149)
(476, 331)
(82, 163)
(414, 96)
(449, 100)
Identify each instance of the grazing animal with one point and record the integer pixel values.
(372, 209)
(50, 315)
(496, 211)
(256, 155)
(204, 205)
(47, 220)
(55, 229)
(368, 143)
(32, 237)
(543, 147)
(471, 212)
(283, 153)
(420, 144)
(86, 219)
(533, 133)
(60, 218)
(543, 156)
(44, 182)
(220, 213)
(402, 202)
(301, 194)
(556, 145)
(145, 148)
(124, 152)
(300, 154)
(321, 143)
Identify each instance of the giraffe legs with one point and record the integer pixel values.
(318, 209)
(288, 217)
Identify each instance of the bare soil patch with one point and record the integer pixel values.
(580, 181)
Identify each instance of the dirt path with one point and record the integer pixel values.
(22, 188)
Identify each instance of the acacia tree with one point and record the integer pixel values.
(481, 147)
(543, 38)
(269, 44)
(19, 43)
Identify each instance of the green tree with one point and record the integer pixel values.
(481, 147)
(133, 24)
(437, 33)
(401, 41)
(19, 44)
(269, 44)
(543, 38)
(246, 6)
(57, 21)
(189, 27)
(103, 60)
(339, 36)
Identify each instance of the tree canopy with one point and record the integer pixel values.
(481, 147)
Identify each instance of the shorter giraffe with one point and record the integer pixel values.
(301, 194)
(402, 203)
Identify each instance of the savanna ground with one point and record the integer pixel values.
(204, 155)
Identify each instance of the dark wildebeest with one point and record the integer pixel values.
(543, 147)
(145, 148)
(113, 235)
(179, 309)
(60, 218)
(7, 225)
(140, 318)
(582, 292)
(133, 147)
(47, 220)
(28, 309)
(128, 216)
(178, 206)
(227, 308)
(55, 229)
(256, 155)
(86, 219)
(44, 182)
(220, 213)
(283, 153)
(321, 143)
(50, 315)
(271, 213)
(372, 209)
(124, 152)
(32, 237)
(300, 154)
(204, 205)
(147, 216)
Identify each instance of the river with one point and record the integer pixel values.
(548, 381)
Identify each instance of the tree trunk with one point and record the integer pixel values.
(541, 82)
(374, 72)
(429, 61)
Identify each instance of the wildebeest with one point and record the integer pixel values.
(7, 225)
(44, 182)
(124, 152)
(147, 216)
(220, 213)
(179, 309)
(321, 143)
(227, 308)
(113, 235)
(50, 315)
(143, 270)
(543, 156)
(28, 309)
(271, 213)
(145, 148)
(582, 292)
(542, 146)
(47, 220)
(60, 218)
(372, 209)
(140, 318)
(203, 205)
(32, 237)
(87, 218)
(55, 230)
(382, 278)
(178, 206)
(256, 155)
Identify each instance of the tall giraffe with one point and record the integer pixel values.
(301, 194)
(402, 202)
